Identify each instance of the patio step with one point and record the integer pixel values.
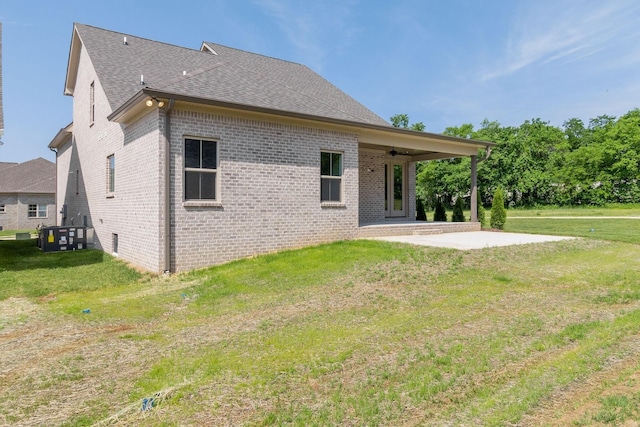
(427, 232)
(415, 228)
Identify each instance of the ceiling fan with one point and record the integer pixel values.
(394, 152)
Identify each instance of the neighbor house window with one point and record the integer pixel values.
(111, 173)
(200, 169)
(330, 177)
(37, 211)
(92, 104)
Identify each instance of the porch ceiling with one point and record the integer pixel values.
(415, 154)
(419, 145)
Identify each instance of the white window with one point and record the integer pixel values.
(200, 169)
(92, 103)
(111, 173)
(330, 176)
(2, 209)
(37, 211)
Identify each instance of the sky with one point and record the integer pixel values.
(444, 63)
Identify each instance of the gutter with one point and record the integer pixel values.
(167, 187)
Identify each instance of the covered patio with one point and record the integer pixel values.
(387, 179)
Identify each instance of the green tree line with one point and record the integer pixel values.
(540, 164)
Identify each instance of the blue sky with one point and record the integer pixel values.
(444, 63)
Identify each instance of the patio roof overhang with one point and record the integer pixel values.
(417, 145)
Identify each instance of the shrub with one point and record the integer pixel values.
(440, 213)
(481, 214)
(498, 212)
(458, 212)
(421, 215)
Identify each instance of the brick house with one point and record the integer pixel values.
(183, 158)
(27, 194)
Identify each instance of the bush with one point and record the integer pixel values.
(440, 213)
(481, 214)
(421, 215)
(498, 212)
(458, 212)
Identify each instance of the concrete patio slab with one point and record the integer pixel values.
(474, 239)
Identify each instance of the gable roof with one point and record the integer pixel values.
(35, 176)
(217, 73)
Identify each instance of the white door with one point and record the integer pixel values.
(394, 189)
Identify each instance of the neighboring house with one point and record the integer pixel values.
(27, 194)
(183, 158)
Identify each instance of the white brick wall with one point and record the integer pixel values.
(372, 187)
(133, 210)
(269, 190)
(16, 212)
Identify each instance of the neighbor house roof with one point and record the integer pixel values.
(215, 72)
(34, 176)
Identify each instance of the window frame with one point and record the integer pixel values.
(111, 174)
(190, 169)
(34, 210)
(332, 176)
(92, 103)
(3, 208)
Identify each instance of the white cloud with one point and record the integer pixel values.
(544, 33)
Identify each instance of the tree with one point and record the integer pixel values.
(402, 121)
(481, 214)
(498, 211)
(458, 212)
(440, 213)
(421, 215)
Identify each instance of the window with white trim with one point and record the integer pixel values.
(92, 103)
(330, 176)
(2, 208)
(111, 173)
(37, 211)
(200, 169)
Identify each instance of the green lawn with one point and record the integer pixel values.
(6, 233)
(350, 333)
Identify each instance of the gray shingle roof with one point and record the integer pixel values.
(231, 76)
(34, 176)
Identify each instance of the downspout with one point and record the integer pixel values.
(167, 188)
(56, 184)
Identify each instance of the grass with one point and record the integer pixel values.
(26, 271)
(350, 333)
(12, 233)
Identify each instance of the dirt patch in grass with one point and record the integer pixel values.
(54, 367)
(581, 403)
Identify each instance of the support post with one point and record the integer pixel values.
(474, 188)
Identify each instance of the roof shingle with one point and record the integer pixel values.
(230, 75)
(34, 176)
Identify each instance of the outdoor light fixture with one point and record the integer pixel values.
(393, 152)
(150, 102)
